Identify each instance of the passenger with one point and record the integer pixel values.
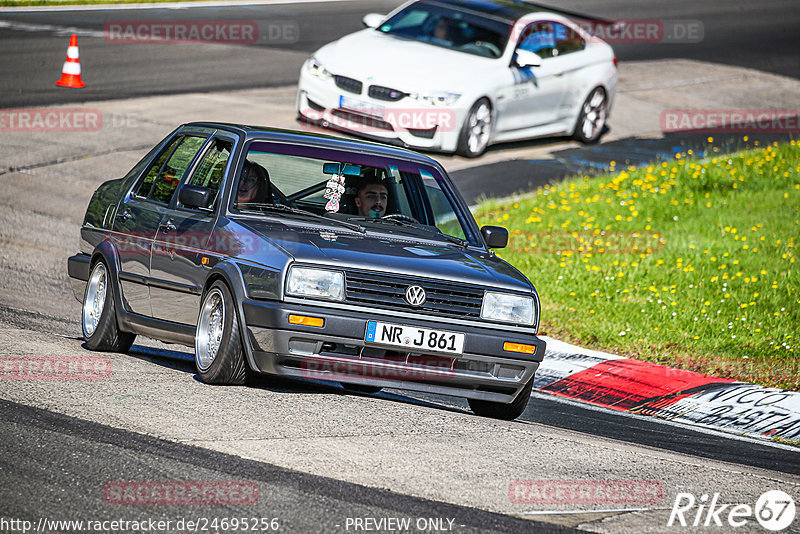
(253, 184)
(371, 199)
(441, 33)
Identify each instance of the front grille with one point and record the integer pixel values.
(388, 291)
(385, 93)
(348, 84)
(365, 121)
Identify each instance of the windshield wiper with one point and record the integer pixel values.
(419, 226)
(297, 211)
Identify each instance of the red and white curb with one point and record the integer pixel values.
(673, 394)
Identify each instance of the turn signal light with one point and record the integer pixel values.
(306, 320)
(519, 347)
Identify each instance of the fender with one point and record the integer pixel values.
(229, 272)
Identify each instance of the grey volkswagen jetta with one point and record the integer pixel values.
(301, 255)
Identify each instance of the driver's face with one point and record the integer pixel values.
(371, 201)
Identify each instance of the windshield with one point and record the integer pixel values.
(449, 28)
(373, 192)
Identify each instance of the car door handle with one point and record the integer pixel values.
(125, 215)
(167, 227)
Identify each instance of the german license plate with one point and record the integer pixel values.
(367, 108)
(414, 338)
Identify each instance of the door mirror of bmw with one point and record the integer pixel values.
(526, 58)
(495, 236)
(195, 196)
(372, 20)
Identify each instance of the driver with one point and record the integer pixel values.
(371, 198)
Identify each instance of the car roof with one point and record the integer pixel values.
(266, 133)
(508, 10)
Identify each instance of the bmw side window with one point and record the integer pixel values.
(171, 173)
(211, 168)
(539, 38)
(567, 39)
(144, 186)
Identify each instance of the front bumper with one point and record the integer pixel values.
(78, 271)
(406, 122)
(337, 352)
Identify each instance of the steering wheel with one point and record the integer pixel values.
(401, 217)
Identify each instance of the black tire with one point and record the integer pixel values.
(359, 388)
(499, 410)
(592, 118)
(103, 334)
(477, 124)
(226, 364)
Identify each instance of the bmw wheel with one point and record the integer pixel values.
(592, 118)
(218, 351)
(99, 315)
(476, 130)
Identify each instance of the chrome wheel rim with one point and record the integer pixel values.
(94, 300)
(479, 127)
(594, 114)
(210, 326)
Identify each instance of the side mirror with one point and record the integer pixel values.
(373, 20)
(195, 196)
(495, 236)
(526, 58)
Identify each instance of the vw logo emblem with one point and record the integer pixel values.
(415, 295)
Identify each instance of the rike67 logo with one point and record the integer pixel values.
(774, 510)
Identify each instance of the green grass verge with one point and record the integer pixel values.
(689, 263)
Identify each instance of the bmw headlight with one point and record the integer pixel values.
(316, 69)
(508, 308)
(317, 283)
(437, 99)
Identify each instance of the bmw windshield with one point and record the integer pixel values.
(443, 26)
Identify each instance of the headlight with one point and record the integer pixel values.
(319, 283)
(508, 308)
(437, 99)
(316, 69)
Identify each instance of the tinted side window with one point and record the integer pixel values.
(211, 169)
(567, 40)
(445, 218)
(539, 38)
(173, 170)
(144, 186)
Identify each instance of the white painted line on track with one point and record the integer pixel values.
(165, 5)
(58, 30)
(566, 512)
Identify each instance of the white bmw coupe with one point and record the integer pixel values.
(459, 75)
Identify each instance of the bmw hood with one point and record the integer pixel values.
(403, 64)
(389, 253)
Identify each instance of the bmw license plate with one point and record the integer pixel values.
(367, 108)
(414, 338)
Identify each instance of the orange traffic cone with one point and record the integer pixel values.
(71, 73)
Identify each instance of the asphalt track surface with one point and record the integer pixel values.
(51, 460)
(761, 35)
(48, 460)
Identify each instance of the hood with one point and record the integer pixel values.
(397, 254)
(400, 63)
